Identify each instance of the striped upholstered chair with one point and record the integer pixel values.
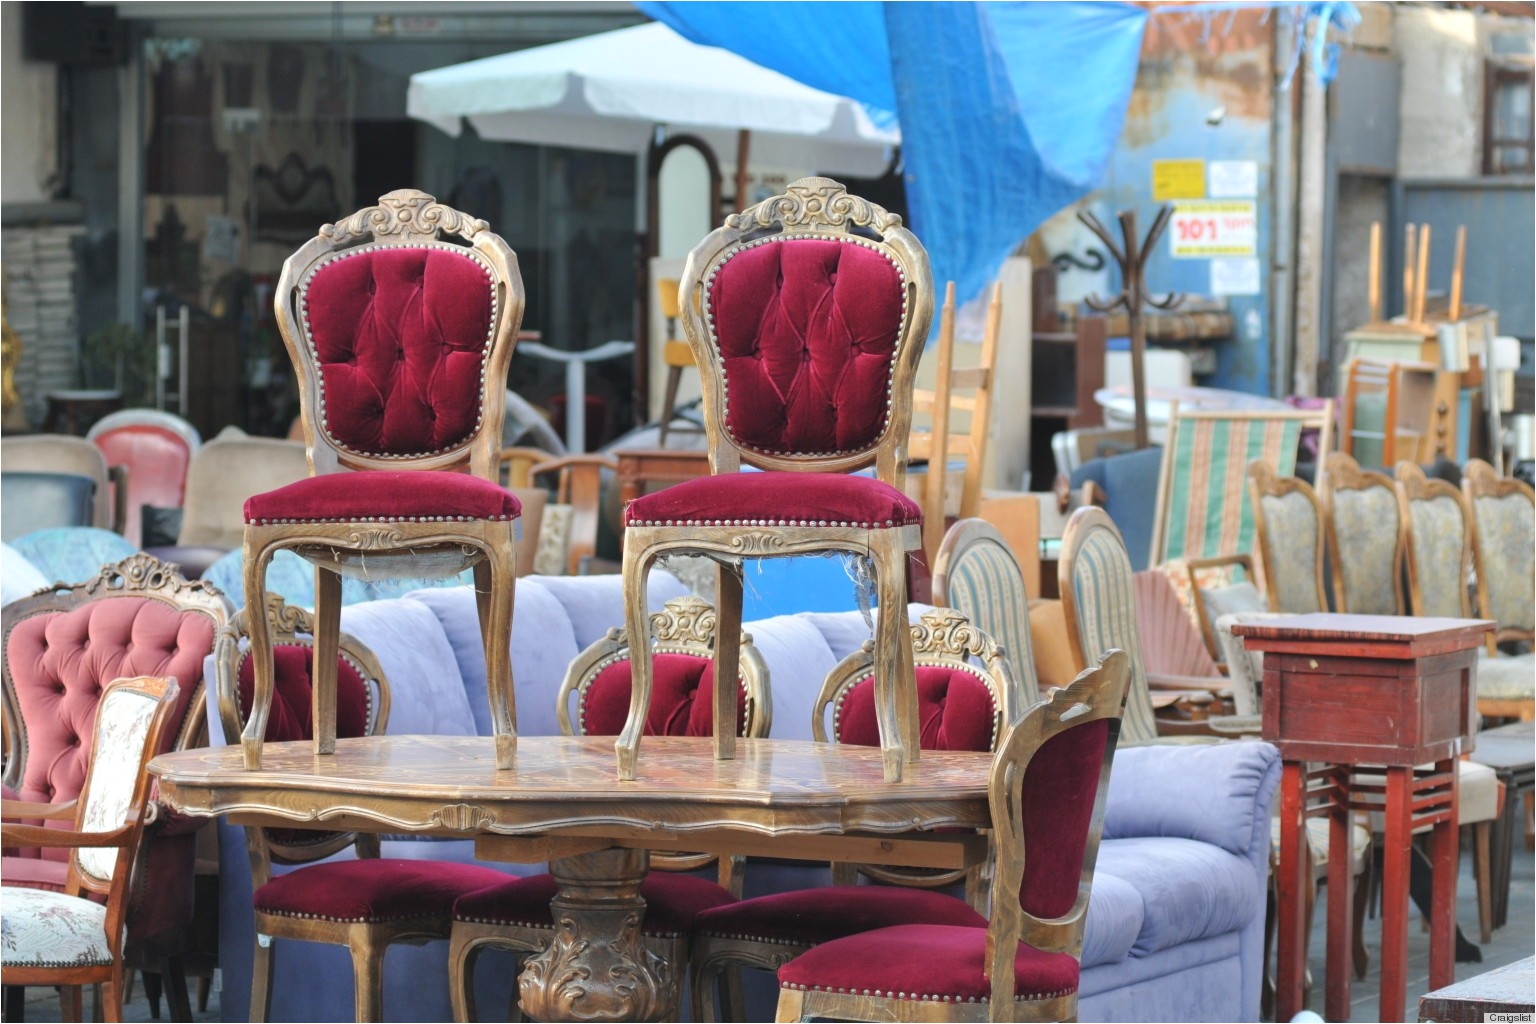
(977, 575)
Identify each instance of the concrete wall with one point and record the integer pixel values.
(1442, 92)
(29, 111)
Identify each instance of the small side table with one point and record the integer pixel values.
(1353, 690)
(1508, 750)
(79, 409)
(641, 466)
(1505, 990)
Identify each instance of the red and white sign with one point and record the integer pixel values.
(1203, 228)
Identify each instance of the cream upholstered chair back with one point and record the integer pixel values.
(1365, 539)
(1504, 540)
(1288, 522)
(1439, 544)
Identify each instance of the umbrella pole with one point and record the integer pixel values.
(743, 152)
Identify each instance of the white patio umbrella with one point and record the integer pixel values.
(609, 91)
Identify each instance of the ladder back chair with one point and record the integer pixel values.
(67, 937)
(401, 339)
(806, 314)
(1365, 538)
(365, 904)
(515, 915)
(962, 706)
(1050, 777)
(939, 442)
(977, 574)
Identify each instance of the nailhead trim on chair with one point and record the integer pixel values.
(539, 926)
(490, 337)
(915, 997)
(709, 322)
(344, 920)
(770, 522)
(385, 519)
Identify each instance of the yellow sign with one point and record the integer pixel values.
(1178, 179)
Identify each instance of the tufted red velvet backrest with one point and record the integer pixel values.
(157, 461)
(399, 336)
(1061, 783)
(291, 716)
(954, 710)
(807, 331)
(61, 661)
(682, 699)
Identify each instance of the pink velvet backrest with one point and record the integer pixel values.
(58, 664)
(400, 322)
(806, 314)
(157, 461)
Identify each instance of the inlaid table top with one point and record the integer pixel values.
(451, 786)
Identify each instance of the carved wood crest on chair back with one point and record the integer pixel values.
(385, 382)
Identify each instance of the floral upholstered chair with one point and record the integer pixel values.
(1288, 526)
(967, 694)
(1365, 538)
(515, 914)
(400, 321)
(807, 314)
(1503, 540)
(69, 937)
(1049, 779)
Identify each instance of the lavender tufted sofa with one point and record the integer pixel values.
(1175, 928)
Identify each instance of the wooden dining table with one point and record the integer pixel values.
(562, 802)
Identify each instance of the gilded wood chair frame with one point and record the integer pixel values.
(138, 575)
(1481, 480)
(1345, 474)
(1097, 694)
(816, 208)
(125, 838)
(403, 218)
(1264, 482)
(289, 625)
(940, 402)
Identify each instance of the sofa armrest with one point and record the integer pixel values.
(1216, 793)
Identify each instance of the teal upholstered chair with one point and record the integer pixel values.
(978, 576)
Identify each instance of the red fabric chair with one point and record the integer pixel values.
(806, 314)
(960, 707)
(515, 915)
(364, 904)
(1049, 780)
(139, 617)
(156, 447)
(401, 340)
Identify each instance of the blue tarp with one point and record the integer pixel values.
(1008, 110)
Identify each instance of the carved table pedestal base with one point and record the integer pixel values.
(597, 967)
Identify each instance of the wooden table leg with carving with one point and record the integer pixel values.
(597, 966)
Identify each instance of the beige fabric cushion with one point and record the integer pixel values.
(1479, 800)
(51, 929)
(1317, 838)
(1505, 677)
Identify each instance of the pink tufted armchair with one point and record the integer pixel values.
(61, 648)
(401, 337)
(807, 314)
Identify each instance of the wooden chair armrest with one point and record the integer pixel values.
(37, 835)
(13, 809)
(1215, 561)
(1197, 684)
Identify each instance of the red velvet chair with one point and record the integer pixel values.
(1049, 780)
(807, 314)
(401, 340)
(364, 904)
(156, 447)
(515, 915)
(961, 707)
(62, 647)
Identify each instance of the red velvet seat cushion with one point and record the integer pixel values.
(954, 709)
(399, 335)
(61, 661)
(776, 499)
(807, 332)
(682, 698)
(383, 497)
(382, 889)
(929, 963)
(809, 917)
(672, 902)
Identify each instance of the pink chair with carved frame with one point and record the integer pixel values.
(401, 339)
(807, 314)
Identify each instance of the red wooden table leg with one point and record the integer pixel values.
(1290, 907)
(1341, 883)
(1444, 849)
(1396, 857)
